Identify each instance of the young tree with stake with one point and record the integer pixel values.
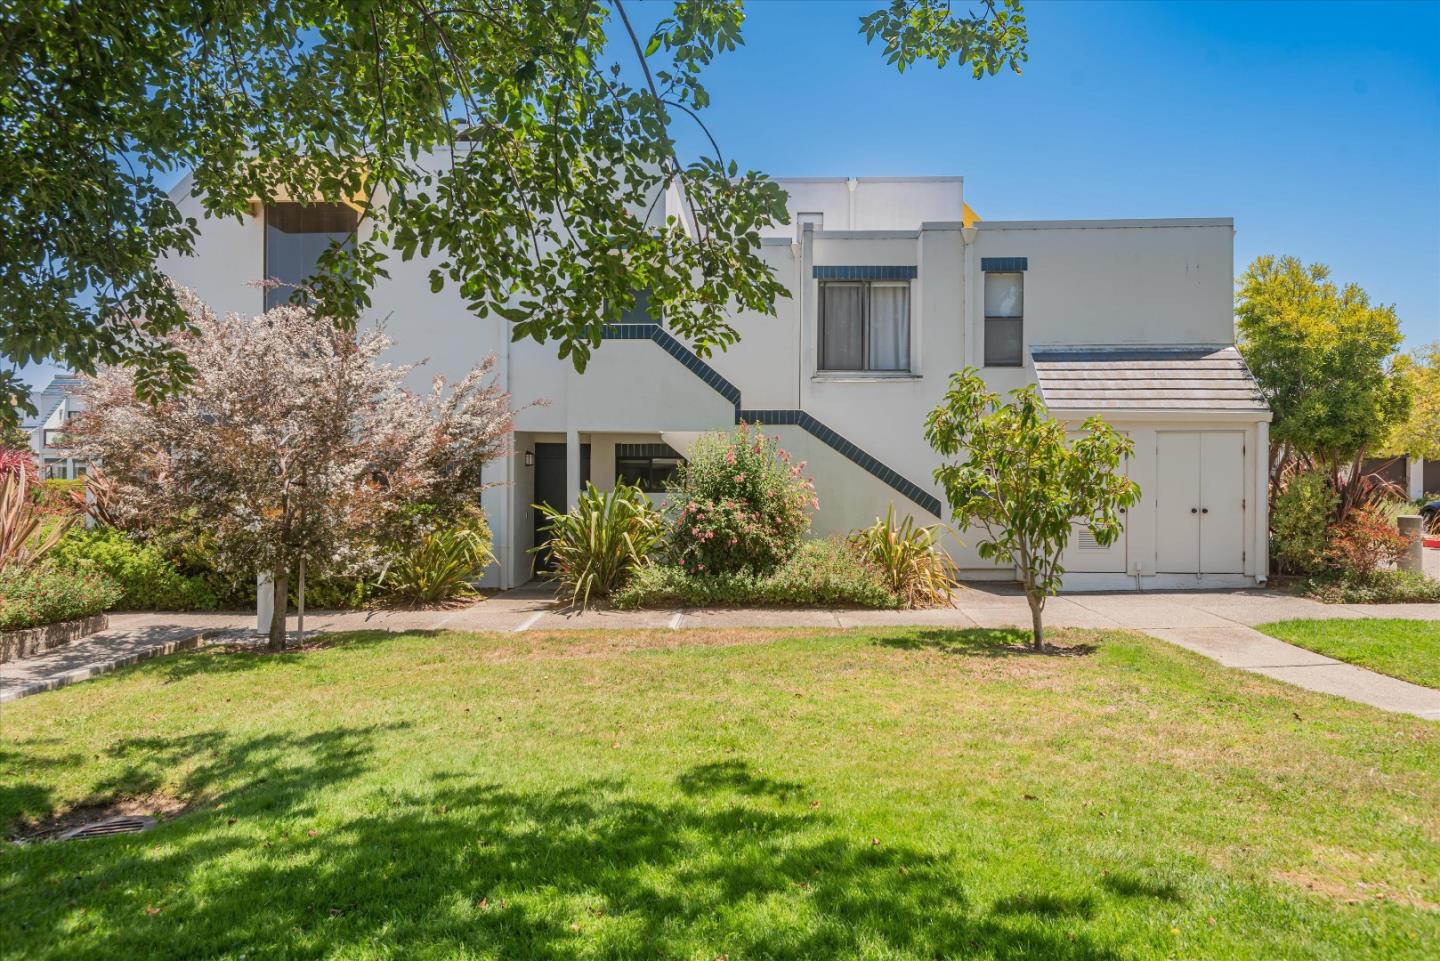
(1024, 484)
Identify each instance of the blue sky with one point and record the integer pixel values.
(1315, 125)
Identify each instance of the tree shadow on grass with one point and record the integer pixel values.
(309, 857)
(20, 794)
(1047, 905)
(737, 776)
(980, 642)
(225, 658)
(1128, 885)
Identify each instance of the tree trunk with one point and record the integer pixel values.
(1350, 491)
(277, 617)
(1038, 628)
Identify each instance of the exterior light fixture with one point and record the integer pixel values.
(529, 458)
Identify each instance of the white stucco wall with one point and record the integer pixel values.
(229, 255)
(1124, 282)
(1119, 282)
(870, 203)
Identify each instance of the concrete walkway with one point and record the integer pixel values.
(1217, 624)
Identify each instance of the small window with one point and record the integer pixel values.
(295, 237)
(864, 325)
(55, 469)
(653, 473)
(54, 437)
(1004, 320)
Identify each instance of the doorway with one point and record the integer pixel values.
(1200, 502)
(550, 491)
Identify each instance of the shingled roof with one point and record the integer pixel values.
(1146, 378)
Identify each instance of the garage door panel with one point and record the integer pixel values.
(1222, 498)
(1177, 502)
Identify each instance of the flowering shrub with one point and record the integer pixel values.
(30, 597)
(293, 442)
(743, 506)
(1364, 543)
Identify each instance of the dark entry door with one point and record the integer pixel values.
(550, 489)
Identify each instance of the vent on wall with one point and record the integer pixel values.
(1087, 541)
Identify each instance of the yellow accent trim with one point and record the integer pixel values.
(968, 217)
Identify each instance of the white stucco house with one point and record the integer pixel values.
(894, 284)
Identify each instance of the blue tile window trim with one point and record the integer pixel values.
(1004, 265)
(864, 273)
(774, 418)
(645, 450)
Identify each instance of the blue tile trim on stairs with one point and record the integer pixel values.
(773, 418)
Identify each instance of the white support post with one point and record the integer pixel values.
(264, 602)
(1262, 502)
(1412, 528)
(1415, 478)
(572, 469)
(300, 623)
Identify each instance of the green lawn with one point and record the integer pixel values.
(1409, 650)
(695, 795)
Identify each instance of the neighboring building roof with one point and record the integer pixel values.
(47, 400)
(1146, 378)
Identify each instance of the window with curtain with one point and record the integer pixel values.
(1004, 319)
(295, 237)
(864, 325)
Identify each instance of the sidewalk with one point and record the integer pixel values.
(1217, 624)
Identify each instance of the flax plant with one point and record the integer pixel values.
(24, 538)
(909, 557)
(597, 544)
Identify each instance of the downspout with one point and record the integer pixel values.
(807, 235)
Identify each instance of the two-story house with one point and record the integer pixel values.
(894, 284)
(55, 406)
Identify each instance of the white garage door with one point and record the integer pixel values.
(1200, 502)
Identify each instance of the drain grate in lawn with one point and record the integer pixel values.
(108, 826)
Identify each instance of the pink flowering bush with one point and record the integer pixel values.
(742, 505)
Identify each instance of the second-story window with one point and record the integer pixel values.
(295, 237)
(1004, 319)
(864, 325)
